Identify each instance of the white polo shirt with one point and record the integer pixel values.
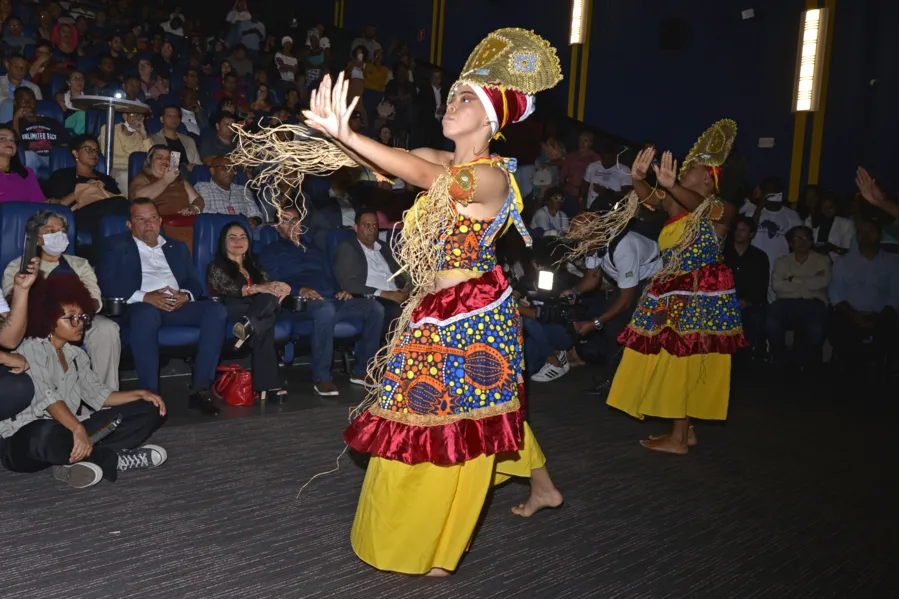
(378, 270)
(636, 259)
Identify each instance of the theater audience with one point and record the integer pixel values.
(365, 266)
(15, 39)
(865, 294)
(751, 273)
(17, 387)
(37, 133)
(47, 433)
(157, 279)
(101, 340)
(571, 175)
(222, 196)
(18, 182)
(832, 234)
(127, 137)
(606, 180)
(176, 142)
(305, 268)
(176, 199)
(151, 85)
(800, 281)
(89, 193)
(253, 302)
(222, 143)
(105, 76)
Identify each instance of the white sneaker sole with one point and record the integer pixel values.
(325, 393)
(79, 476)
(158, 452)
(362, 383)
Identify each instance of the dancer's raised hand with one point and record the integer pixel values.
(666, 173)
(642, 163)
(329, 112)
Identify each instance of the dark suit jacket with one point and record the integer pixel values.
(119, 274)
(426, 103)
(351, 267)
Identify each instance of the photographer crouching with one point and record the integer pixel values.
(619, 272)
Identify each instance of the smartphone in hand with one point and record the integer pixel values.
(175, 160)
(29, 251)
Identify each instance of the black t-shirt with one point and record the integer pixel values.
(42, 134)
(175, 145)
(62, 182)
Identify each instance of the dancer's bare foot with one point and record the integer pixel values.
(665, 444)
(438, 573)
(691, 437)
(538, 500)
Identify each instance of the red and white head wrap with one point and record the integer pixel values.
(504, 106)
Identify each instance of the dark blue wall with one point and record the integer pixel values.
(729, 68)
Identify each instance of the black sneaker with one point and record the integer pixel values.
(202, 401)
(601, 389)
(148, 456)
(80, 475)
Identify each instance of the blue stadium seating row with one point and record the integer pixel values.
(175, 340)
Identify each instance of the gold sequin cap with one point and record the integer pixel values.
(516, 59)
(713, 146)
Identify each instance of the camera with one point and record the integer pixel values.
(559, 311)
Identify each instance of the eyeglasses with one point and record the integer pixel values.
(7, 138)
(74, 319)
(90, 149)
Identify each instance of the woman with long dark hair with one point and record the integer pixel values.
(252, 299)
(18, 182)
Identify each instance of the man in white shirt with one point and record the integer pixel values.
(222, 196)
(800, 281)
(606, 179)
(629, 262)
(17, 69)
(774, 221)
(364, 266)
(157, 279)
(367, 40)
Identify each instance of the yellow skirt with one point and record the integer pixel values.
(668, 386)
(411, 519)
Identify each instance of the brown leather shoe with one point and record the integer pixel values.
(326, 388)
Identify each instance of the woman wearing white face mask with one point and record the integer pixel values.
(101, 340)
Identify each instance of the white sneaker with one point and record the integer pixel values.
(80, 475)
(563, 360)
(550, 372)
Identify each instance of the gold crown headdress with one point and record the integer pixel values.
(713, 147)
(514, 58)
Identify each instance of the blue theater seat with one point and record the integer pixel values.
(51, 110)
(110, 225)
(14, 215)
(135, 164)
(207, 228)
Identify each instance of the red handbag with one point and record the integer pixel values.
(234, 385)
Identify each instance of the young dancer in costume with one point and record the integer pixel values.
(678, 346)
(447, 420)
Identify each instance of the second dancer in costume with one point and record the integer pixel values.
(447, 422)
(678, 346)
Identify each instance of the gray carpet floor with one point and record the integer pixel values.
(793, 497)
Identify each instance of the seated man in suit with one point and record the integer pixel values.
(157, 278)
(364, 266)
(305, 268)
(336, 210)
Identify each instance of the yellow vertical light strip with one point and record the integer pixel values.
(342, 12)
(814, 160)
(572, 81)
(585, 55)
(336, 13)
(435, 10)
(441, 27)
(798, 139)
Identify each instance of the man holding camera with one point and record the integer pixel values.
(628, 262)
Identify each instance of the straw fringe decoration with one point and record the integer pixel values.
(591, 231)
(283, 155)
(419, 250)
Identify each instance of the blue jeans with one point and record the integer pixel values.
(39, 164)
(542, 341)
(806, 318)
(145, 321)
(325, 314)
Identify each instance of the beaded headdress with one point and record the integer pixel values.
(712, 148)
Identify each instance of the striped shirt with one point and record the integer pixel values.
(78, 384)
(234, 200)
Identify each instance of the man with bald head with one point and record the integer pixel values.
(223, 196)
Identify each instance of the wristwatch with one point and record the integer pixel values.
(597, 324)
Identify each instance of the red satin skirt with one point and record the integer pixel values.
(453, 388)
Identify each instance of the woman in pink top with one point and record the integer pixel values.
(17, 182)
